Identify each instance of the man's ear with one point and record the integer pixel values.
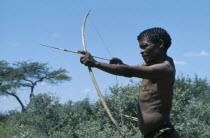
(161, 43)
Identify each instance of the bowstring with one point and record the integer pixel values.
(105, 46)
(102, 40)
(103, 43)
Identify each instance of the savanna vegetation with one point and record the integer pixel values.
(45, 116)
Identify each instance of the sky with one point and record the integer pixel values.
(111, 31)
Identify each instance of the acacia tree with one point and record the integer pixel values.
(28, 74)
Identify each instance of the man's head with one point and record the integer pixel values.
(154, 43)
(154, 35)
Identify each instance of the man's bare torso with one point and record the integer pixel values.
(155, 102)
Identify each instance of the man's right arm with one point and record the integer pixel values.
(147, 72)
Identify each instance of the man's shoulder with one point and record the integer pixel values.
(169, 67)
(142, 64)
(169, 61)
(166, 66)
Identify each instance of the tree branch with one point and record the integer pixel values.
(18, 99)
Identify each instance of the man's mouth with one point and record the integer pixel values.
(145, 56)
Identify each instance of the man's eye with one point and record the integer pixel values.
(143, 46)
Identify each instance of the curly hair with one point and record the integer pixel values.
(155, 34)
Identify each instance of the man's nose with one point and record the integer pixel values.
(142, 51)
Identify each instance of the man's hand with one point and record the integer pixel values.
(87, 59)
(115, 61)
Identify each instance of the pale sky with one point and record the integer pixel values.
(112, 25)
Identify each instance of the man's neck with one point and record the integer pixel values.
(159, 59)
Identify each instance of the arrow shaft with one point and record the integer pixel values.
(72, 51)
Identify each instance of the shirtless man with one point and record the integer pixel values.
(158, 74)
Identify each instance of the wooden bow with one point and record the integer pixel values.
(94, 80)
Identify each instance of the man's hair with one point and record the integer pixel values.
(155, 34)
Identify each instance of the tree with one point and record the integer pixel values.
(28, 74)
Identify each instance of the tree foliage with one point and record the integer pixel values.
(191, 106)
(32, 73)
(8, 78)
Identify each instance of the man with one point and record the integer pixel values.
(158, 74)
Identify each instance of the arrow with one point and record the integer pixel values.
(71, 51)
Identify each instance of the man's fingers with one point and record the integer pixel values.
(115, 61)
(113, 58)
(82, 52)
(87, 58)
(84, 59)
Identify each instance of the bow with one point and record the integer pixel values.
(94, 80)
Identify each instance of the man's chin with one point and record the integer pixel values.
(147, 61)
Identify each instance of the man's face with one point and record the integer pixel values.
(149, 51)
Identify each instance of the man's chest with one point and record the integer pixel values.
(149, 85)
(149, 90)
